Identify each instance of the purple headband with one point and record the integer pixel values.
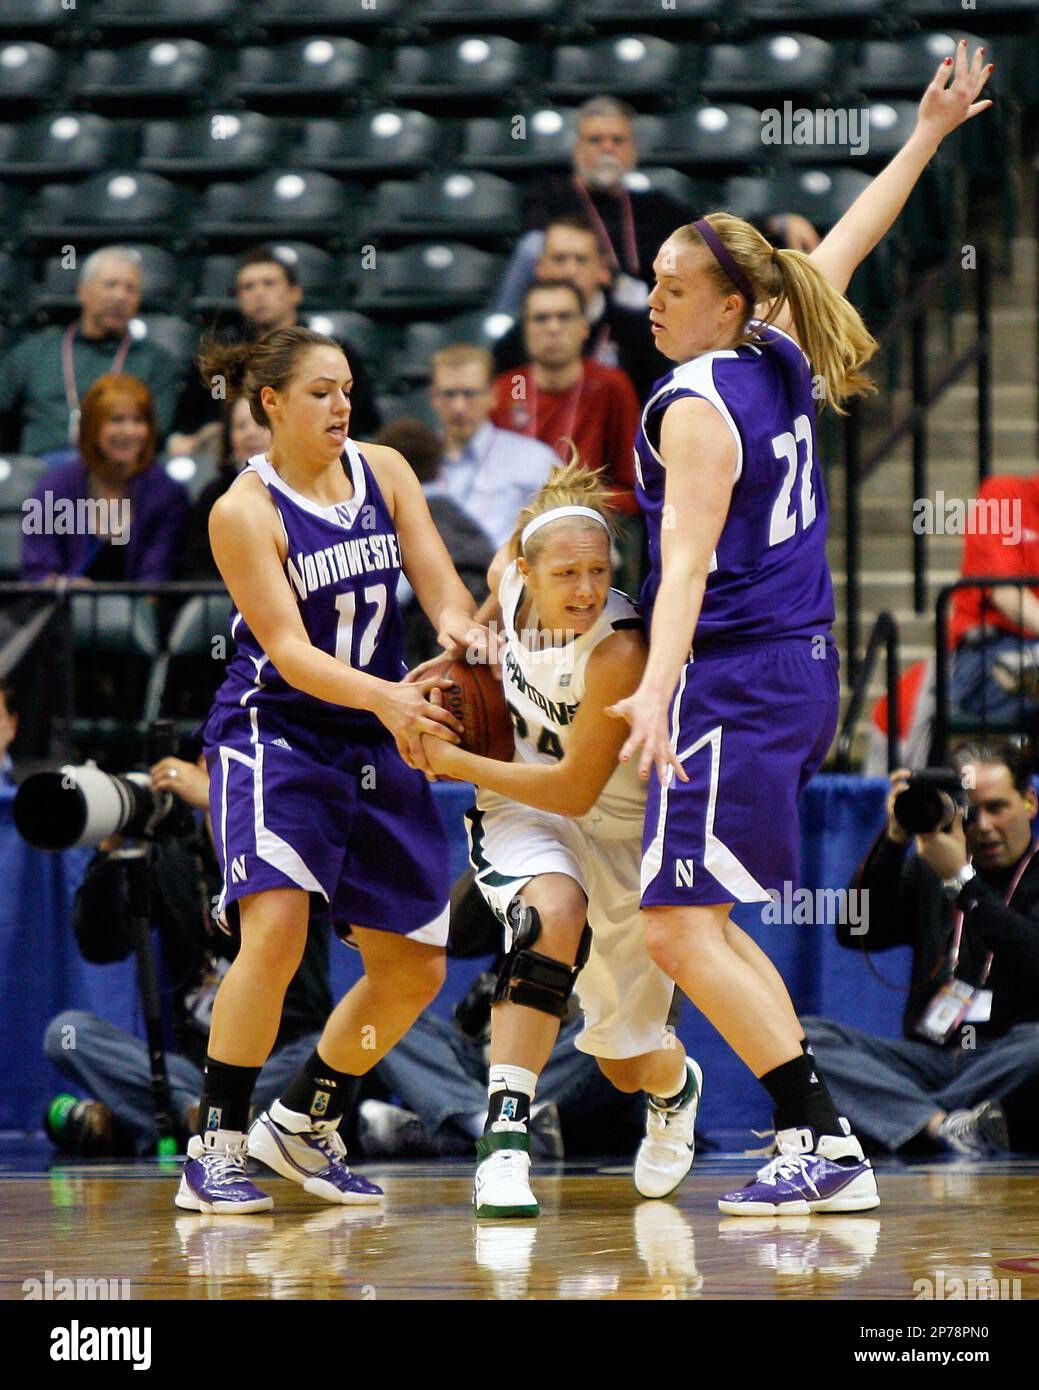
(725, 259)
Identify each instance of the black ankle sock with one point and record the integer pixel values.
(513, 1106)
(806, 1048)
(801, 1097)
(226, 1093)
(320, 1091)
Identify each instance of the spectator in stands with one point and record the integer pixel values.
(8, 729)
(491, 473)
(112, 513)
(467, 542)
(558, 395)
(618, 336)
(968, 905)
(631, 224)
(268, 293)
(240, 438)
(112, 1066)
(993, 631)
(44, 378)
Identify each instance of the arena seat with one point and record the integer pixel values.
(162, 282)
(175, 335)
(50, 17)
(699, 194)
(305, 69)
(410, 405)
(907, 64)
(220, 142)
(461, 204)
(126, 205)
(421, 340)
(429, 276)
(151, 74)
(889, 125)
(375, 143)
(379, 343)
(708, 137)
(19, 474)
(169, 16)
(823, 196)
(474, 67)
(494, 14)
(707, 13)
(775, 66)
(863, 16)
(185, 676)
(115, 641)
(544, 140)
(62, 146)
(317, 271)
(15, 279)
(323, 16)
(627, 65)
(286, 202)
(31, 75)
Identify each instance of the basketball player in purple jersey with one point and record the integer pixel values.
(738, 703)
(310, 800)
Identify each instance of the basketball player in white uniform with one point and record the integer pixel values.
(556, 840)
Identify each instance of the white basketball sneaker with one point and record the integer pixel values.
(502, 1184)
(666, 1153)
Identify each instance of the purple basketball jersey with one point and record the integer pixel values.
(768, 576)
(343, 566)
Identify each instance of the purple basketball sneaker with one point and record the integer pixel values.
(808, 1174)
(214, 1178)
(311, 1153)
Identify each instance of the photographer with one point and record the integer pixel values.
(967, 902)
(113, 1066)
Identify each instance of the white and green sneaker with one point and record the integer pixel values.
(502, 1184)
(666, 1153)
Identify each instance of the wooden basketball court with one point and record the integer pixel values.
(947, 1223)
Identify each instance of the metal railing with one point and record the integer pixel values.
(943, 715)
(884, 634)
(912, 315)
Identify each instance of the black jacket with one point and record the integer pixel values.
(908, 907)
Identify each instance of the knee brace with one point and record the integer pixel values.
(530, 978)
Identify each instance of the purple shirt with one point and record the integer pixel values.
(158, 510)
(768, 576)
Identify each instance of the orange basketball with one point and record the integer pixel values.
(476, 699)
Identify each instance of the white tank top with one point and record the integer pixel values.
(544, 687)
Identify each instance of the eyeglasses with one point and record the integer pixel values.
(541, 319)
(443, 394)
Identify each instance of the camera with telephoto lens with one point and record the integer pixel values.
(81, 805)
(931, 801)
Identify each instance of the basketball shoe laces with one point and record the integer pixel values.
(330, 1145)
(787, 1165)
(224, 1165)
(663, 1133)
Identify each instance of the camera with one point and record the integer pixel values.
(931, 800)
(81, 805)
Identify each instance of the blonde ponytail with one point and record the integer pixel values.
(568, 485)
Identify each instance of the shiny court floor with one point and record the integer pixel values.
(954, 1220)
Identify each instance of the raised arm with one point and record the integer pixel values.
(944, 106)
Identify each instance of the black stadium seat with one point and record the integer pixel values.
(306, 69)
(378, 343)
(430, 275)
(315, 268)
(909, 64)
(222, 142)
(862, 15)
(823, 196)
(539, 140)
(491, 14)
(176, 335)
(684, 12)
(887, 126)
(775, 66)
(709, 137)
(461, 204)
(30, 75)
(15, 278)
(127, 206)
(626, 65)
(162, 277)
(324, 16)
(62, 146)
(699, 195)
(422, 339)
(284, 203)
(378, 142)
(473, 66)
(169, 16)
(156, 71)
(51, 17)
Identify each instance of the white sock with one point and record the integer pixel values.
(516, 1079)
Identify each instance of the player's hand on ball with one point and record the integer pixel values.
(943, 106)
(462, 638)
(408, 714)
(650, 733)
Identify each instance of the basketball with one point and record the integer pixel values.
(476, 699)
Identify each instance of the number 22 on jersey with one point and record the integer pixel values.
(783, 522)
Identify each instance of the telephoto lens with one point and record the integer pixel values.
(930, 801)
(84, 806)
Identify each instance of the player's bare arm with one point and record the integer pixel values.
(700, 455)
(572, 786)
(944, 106)
(443, 597)
(249, 550)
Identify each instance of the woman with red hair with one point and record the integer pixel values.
(112, 513)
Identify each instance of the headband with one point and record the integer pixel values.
(557, 514)
(726, 260)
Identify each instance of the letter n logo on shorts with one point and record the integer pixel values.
(683, 873)
(238, 874)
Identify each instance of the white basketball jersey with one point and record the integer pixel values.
(544, 687)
